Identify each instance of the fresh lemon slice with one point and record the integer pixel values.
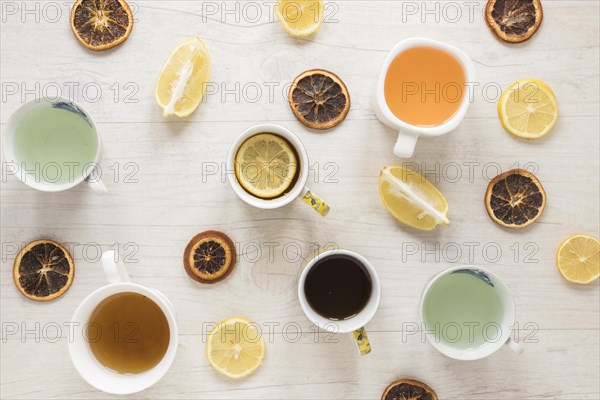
(235, 348)
(182, 81)
(578, 260)
(300, 17)
(266, 165)
(528, 109)
(412, 199)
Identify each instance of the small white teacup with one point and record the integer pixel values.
(87, 365)
(53, 175)
(464, 334)
(356, 323)
(408, 134)
(299, 190)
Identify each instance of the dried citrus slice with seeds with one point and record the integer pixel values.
(266, 165)
(183, 79)
(412, 199)
(578, 259)
(101, 24)
(528, 109)
(209, 257)
(43, 270)
(235, 348)
(300, 17)
(514, 20)
(319, 99)
(515, 199)
(408, 389)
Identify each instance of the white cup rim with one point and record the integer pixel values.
(91, 370)
(507, 322)
(350, 324)
(394, 122)
(285, 199)
(8, 151)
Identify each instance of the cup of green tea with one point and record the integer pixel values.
(53, 144)
(339, 291)
(124, 334)
(468, 313)
(422, 90)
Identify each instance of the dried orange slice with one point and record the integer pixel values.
(515, 199)
(209, 257)
(409, 389)
(43, 270)
(578, 259)
(319, 99)
(514, 21)
(101, 24)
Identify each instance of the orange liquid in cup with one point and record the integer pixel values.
(424, 86)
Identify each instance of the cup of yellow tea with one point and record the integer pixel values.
(423, 91)
(124, 334)
(270, 166)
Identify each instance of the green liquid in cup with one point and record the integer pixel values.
(55, 143)
(460, 306)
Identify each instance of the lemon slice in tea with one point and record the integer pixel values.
(266, 165)
(300, 17)
(528, 109)
(578, 258)
(235, 348)
(412, 199)
(183, 79)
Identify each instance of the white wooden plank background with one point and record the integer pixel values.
(172, 198)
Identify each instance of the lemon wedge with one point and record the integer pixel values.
(578, 258)
(235, 348)
(300, 17)
(528, 109)
(412, 199)
(183, 79)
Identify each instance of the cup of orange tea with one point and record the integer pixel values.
(422, 90)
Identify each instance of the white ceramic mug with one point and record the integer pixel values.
(15, 165)
(86, 364)
(355, 324)
(298, 191)
(409, 134)
(504, 326)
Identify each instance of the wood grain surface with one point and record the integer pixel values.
(167, 182)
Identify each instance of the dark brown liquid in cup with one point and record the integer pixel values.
(338, 287)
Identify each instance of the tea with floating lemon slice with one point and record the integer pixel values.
(267, 166)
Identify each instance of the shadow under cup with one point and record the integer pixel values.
(96, 373)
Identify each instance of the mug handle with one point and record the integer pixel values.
(95, 183)
(114, 270)
(315, 202)
(514, 346)
(362, 341)
(405, 145)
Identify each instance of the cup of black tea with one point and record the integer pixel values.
(124, 336)
(339, 291)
